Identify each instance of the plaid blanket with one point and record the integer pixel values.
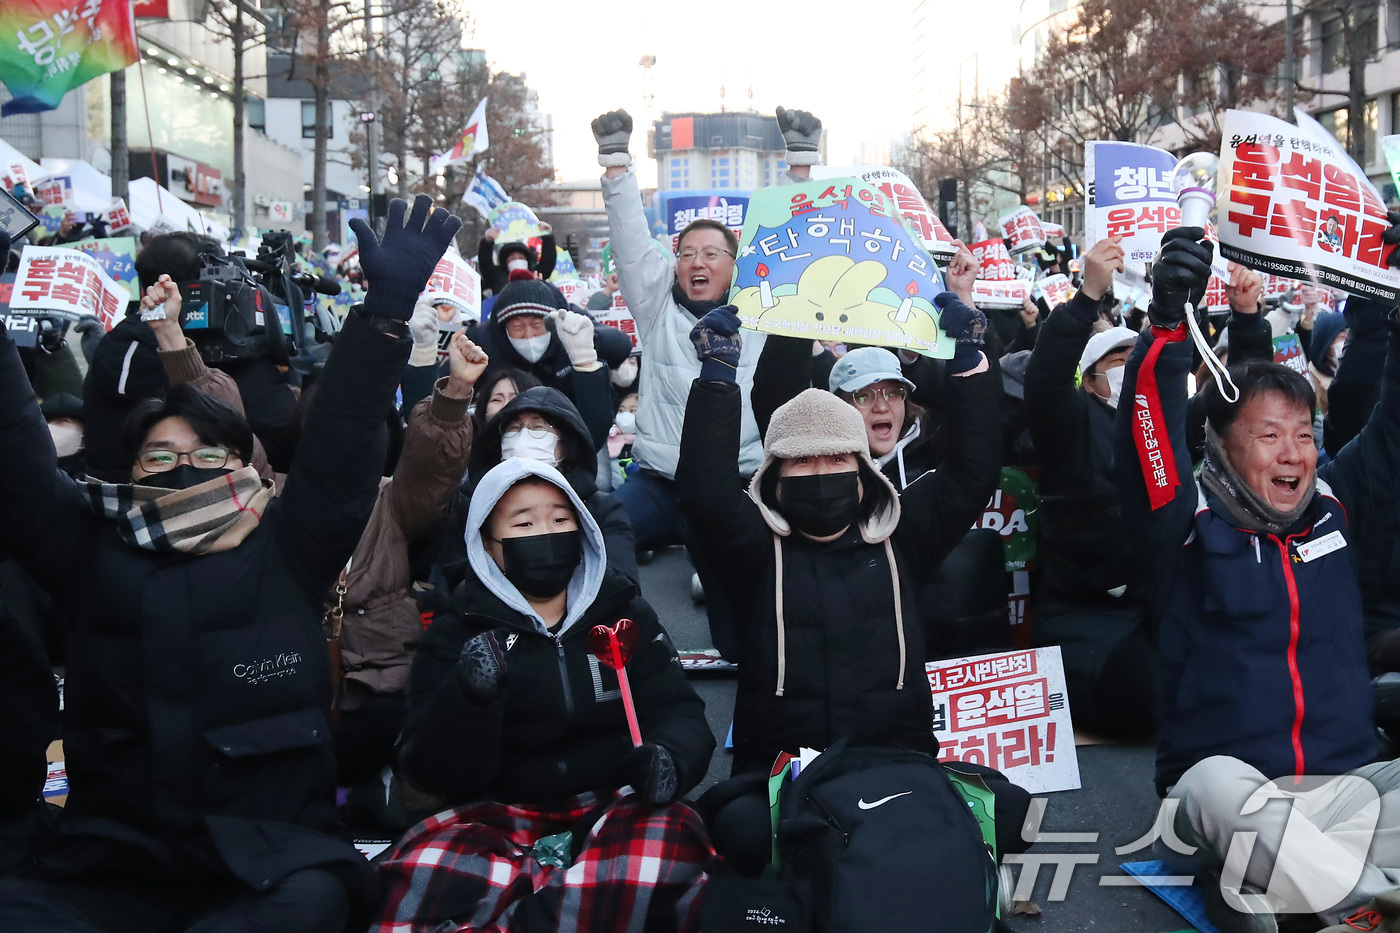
(638, 868)
(205, 519)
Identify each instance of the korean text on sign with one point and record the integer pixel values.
(1022, 230)
(907, 200)
(1293, 203)
(1129, 195)
(67, 283)
(1007, 711)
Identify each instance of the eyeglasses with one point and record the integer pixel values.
(709, 254)
(864, 398)
(537, 432)
(202, 458)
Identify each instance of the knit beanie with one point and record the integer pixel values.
(524, 296)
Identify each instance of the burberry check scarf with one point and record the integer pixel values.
(205, 519)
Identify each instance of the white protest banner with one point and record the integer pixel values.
(1293, 203)
(456, 283)
(1009, 293)
(68, 283)
(993, 261)
(575, 291)
(1007, 711)
(1052, 230)
(620, 317)
(1130, 196)
(56, 191)
(117, 217)
(903, 193)
(1216, 297)
(1054, 289)
(834, 260)
(1022, 229)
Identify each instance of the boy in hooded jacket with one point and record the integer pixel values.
(515, 722)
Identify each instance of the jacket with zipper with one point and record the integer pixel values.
(558, 728)
(1259, 636)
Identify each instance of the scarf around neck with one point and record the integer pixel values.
(697, 308)
(214, 516)
(1245, 506)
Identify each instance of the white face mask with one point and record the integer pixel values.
(626, 422)
(67, 439)
(532, 348)
(517, 263)
(527, 447)
(1115, 384)
(626, 374)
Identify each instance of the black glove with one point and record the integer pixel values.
(1391, 237)
(397, 269)
(967, 326)
(4, 247)
(718, 344)
(652, 773)
(802, 135)
(481, 669)
(613, 131)
(1179, 275)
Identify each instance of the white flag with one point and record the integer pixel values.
(471, 140)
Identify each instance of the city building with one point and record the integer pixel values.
(742, 150)
(580, 221)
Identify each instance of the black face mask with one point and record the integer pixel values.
(821, 504)
(182, 477)
(542, 565)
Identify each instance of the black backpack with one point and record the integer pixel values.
(881, 839)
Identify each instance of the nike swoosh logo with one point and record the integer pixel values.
(883, 800)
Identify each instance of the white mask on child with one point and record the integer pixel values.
(626, 422)
(513, 264)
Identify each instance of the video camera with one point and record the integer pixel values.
(243, 309)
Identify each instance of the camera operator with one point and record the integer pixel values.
(129, 364)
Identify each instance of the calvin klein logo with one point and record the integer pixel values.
(282, 665)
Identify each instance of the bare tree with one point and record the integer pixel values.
(245, 28)
(1346, 34)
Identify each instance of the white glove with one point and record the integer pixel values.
(802, 135)
(576, 334)
(423, 326)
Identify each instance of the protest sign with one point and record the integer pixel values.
(682, 211)
(67, 283)
(1022, 230)
(484, 194)
(1130, 196)
(1052, 230)
(1217, 299)
(116, 217)
(1288, 351)
(833, 260)
(617, 315)
(905, 195)
(456, 283)
(22, 328)
(1055, 289)
(575, 290)
(56, 190)
(993, 261)
(1011, 513)
(1000, 294)
(117, 256)
(564, 267)
(1293, 203)
(1007, 711)
(516, 223)
(16, 174)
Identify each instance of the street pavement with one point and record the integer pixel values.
(1116, 805)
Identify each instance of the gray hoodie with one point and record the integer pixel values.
(588, 577)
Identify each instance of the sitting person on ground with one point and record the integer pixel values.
(517, 725)
(195, 724)
(1251, 584)
(821, 557)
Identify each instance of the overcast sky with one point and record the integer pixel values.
(851, 70)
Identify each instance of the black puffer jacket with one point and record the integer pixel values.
(195, 728)
(830, 665)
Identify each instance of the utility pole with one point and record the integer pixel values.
(1288, 60)
(372, 125)
(121, 161)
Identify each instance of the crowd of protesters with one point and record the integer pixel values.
(296, 606)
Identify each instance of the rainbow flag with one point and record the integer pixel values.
(49, 47)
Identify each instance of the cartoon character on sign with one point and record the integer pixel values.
(1329, 236)
(837, 293)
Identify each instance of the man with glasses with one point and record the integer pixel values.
(667, 299)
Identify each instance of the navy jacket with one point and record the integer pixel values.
(1260, 639)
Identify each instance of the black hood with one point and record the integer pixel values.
(556, 407)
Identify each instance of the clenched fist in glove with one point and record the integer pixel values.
(613, 131)
(576, 334)
(1179, 275)
(398, 268)
(652, 773)
(966, 325)
(718, 344)
(802, 135)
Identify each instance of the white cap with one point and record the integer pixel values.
(1104, 343)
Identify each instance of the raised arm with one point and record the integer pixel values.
(784, 369)
(1151, 458)
(334, 480)
(644, 274)
(549, 252)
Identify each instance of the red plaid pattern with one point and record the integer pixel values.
(641, 868)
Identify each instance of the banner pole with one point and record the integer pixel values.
(150, 136)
